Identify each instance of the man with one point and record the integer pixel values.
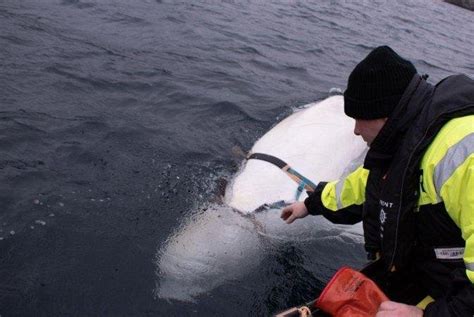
(415, 190)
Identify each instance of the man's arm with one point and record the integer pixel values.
(457, 192)
(340, 201)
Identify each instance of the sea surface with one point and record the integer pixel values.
(117, 120)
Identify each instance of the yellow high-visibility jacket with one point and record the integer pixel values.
(444, 215)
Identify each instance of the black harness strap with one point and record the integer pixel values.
(268, 158)
(302, 181)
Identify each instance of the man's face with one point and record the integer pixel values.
(368, 129)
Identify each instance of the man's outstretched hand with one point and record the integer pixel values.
(293, 212)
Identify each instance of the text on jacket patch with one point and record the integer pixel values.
(385, 204)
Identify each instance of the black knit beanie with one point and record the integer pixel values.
(376, 84)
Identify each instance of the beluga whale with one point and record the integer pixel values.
(224, 242)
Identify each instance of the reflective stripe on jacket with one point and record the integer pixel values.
(447, 176)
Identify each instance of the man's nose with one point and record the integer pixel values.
(356, 129)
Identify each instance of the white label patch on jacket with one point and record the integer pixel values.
(449, 253)
(383, 216)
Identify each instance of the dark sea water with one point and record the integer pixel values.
(117, 118)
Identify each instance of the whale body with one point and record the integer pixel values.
(317, 141)
(224, 242)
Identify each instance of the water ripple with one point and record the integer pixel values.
(118, 118)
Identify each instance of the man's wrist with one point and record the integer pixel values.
(313, 202)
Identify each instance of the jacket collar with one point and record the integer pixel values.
(388, 141)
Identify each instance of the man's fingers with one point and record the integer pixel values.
(286, 212)
(291, 219)
(388, 305)
(394, 309)
(293, 212)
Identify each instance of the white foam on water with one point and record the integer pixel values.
(220, 245)
(211, 247)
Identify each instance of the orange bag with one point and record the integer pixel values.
(350, 293)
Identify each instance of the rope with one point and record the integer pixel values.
(304, 311)
(299, 190)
